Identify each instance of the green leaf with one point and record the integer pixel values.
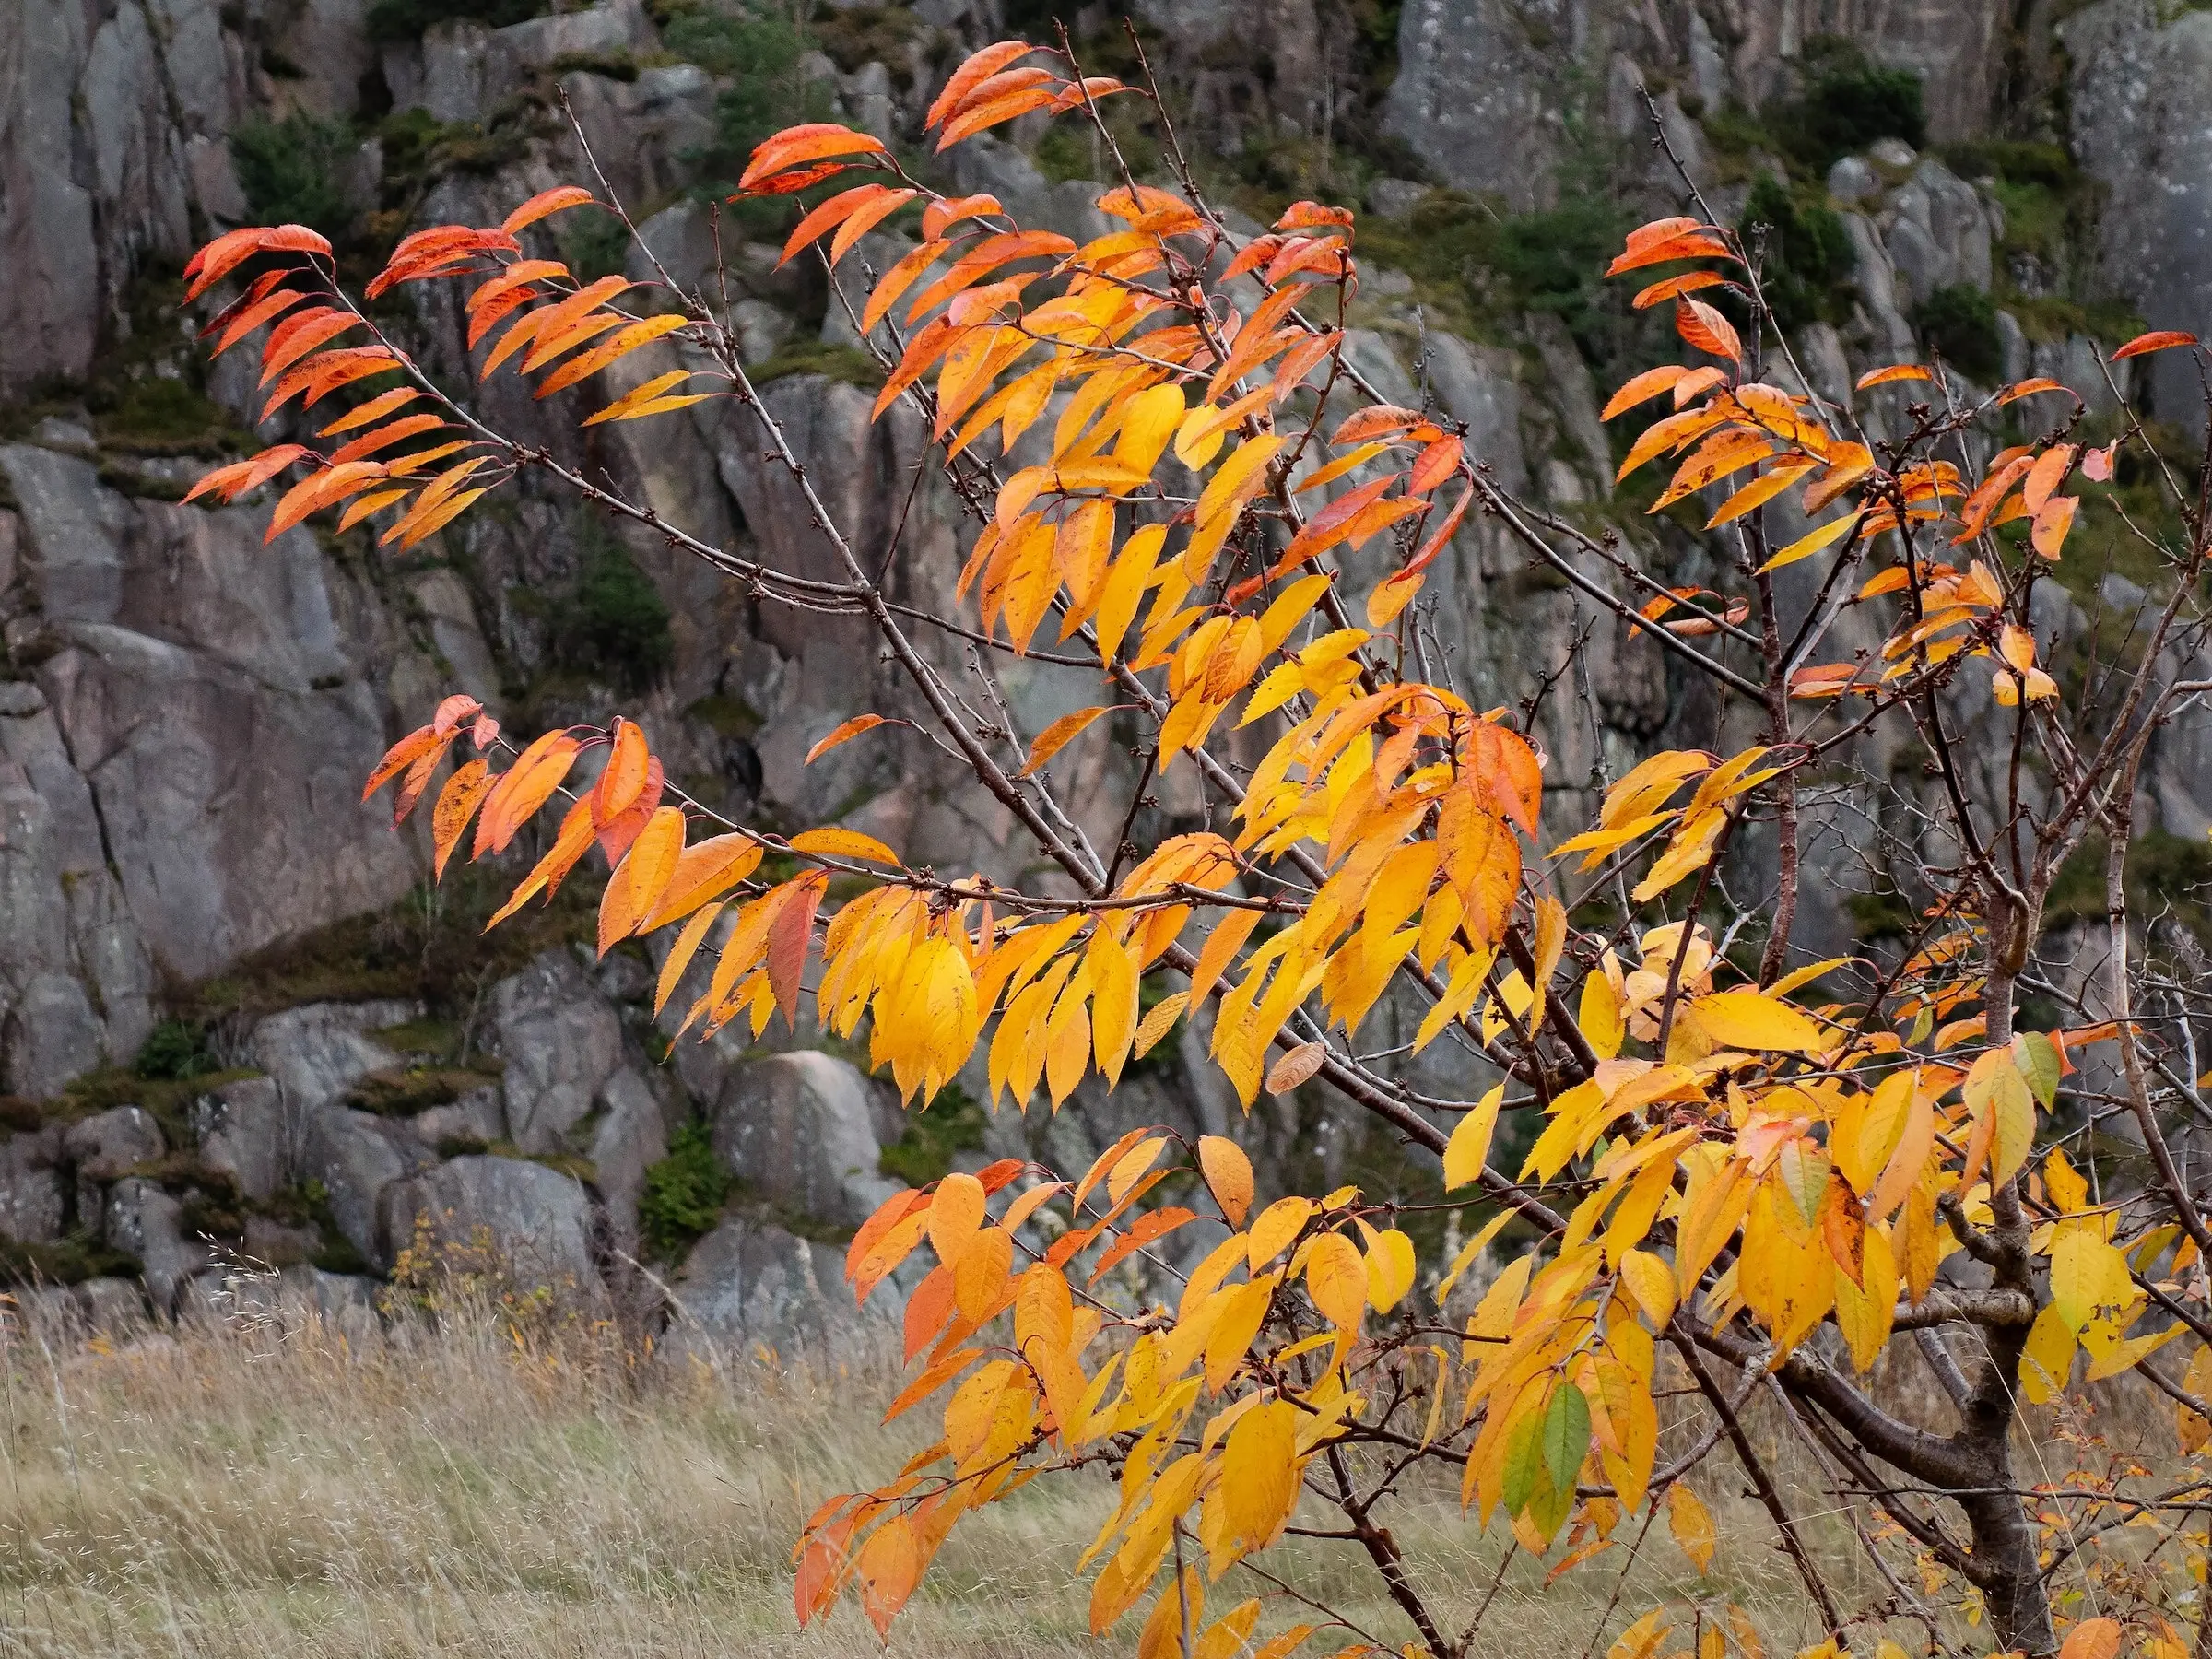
(1566, 1436)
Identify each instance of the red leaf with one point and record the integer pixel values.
(2160, 339)
(787, 939)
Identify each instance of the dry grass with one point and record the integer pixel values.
(250, 1488)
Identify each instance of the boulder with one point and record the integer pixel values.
(143, 1221)
(746, 1283)
(560, 1041)
(316, 1052)
(1474, 94)
(75, 978)
(243, 1130)
(799, 1130)
(110, 1143)
(356, 1157)
(475, 1116)
(1938, 232)
(537, 1219)
(629, 1135)
(31, 1187)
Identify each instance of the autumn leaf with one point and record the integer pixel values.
(843, 733)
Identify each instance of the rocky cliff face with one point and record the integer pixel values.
(185, 713)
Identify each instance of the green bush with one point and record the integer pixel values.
(760, 56)
(683, 1193)
(1848, 102)
(615, 623)
(924, 1152)
(1809, 254)
(1961, 324)
(391, 21)
(173, 1050)
(288, 171)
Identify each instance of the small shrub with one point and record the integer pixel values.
(614, 622)
(951, 1123)
(683, 1193)
(289, 169)
(174, 1050)
(1961, 322)
(1848, 102)
(1809, 254)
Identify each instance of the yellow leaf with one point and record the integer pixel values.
(1160, 1022)
(1469, 1147)
(1275, 1227)
(1260, 1473)
(1336, 1280)
(1805, 546)
(1746, 1019)
(1390, 1267)
(1228, 1176)
(956, 1211)
(1599, 1017)
(1691, 1526)
(843, 843)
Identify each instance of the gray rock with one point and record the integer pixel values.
(2141, 86)
(1476, 384)
(244, 1130)
(1474, 94)
(273, 1243)
(1893, 153)
(1395, 198)
(31, 1187)
(1938, 232)
(628, 1136)
(143, 1221)
(1852, 179)
(316, 1052)
(356, 1157)
(681, 238)
(538, 1220)
(748, 1284)
(799, 1128)
(560, 1041)
(475, 1116)
(110, 1143)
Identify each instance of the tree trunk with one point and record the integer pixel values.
(2005, 1549)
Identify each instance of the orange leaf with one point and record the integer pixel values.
(1642, 389)
(1296, 1066)
(843, 843)
(545, 205)
(979, 116)
(1707, 330)
(400, 755)
(2051, 525)
(1673, 287)
(623, 777)
(978, 68)
(522, 789)
(704, 872)
(376, 409)
(2160, 339)
(1895, 371)
(642, 876)
(788, 936)
(225, 253)
(851, 729)
(1057, 736)
(236, 479)
(810, 142)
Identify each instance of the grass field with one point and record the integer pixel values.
(287, 1489)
